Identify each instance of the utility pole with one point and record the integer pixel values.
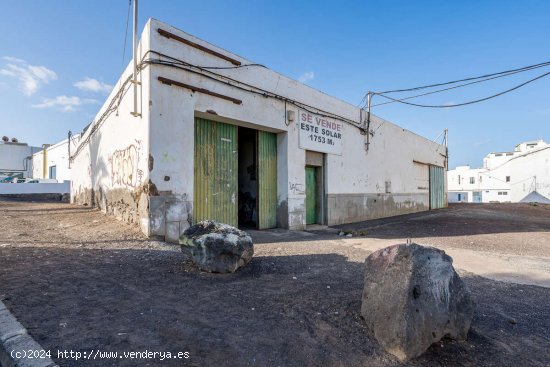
(447, 149)
(367, 128)
(134, 49)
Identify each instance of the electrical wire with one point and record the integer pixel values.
(205, 72)
(525, 68)
(469, 102)
(180, 64)
(126, 32)
(455, 87)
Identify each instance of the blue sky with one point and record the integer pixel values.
(58, 59)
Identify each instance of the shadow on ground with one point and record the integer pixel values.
(300, 310)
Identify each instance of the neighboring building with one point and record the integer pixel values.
(505, 177)
(218, 137)
(52, 162)
(16, 158)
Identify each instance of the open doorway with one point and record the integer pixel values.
(247, 178)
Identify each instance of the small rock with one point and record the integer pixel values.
(294, 278)
(513, 321)
(349, 235)
(341, 233)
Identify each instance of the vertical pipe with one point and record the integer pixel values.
(134, 49)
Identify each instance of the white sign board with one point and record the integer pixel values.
(320, 134)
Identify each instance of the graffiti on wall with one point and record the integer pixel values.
(124, 166)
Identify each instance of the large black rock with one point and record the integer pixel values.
(216, 247)
(413, 297)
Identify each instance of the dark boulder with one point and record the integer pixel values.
(412, 298)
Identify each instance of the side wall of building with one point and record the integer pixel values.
(110, 164)
(358, 184)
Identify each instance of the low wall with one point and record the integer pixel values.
(349, 208)
(35, 188)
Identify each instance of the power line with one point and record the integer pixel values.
(457, 86)
(525, 68)
(469, 102)
(126, 33)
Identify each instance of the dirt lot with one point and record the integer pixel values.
(81, 281)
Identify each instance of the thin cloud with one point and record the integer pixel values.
(306, 77)
(30, 77)
(93, 85)
(64, 103)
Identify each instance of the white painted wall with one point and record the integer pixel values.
(16, 158)
(112, 156)
(34, 188)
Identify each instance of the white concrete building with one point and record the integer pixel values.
(219, 137)
(505, 176)
(52, 162)
(16, 159)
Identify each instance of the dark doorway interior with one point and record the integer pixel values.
(248, 180)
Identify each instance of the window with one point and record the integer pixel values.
(507, 178)
(498, 155)
(505, 193)
(480, 179)
(53, 172)
(459, 179)
(472, 180)
(500, 192)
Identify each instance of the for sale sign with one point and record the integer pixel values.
(320, 134)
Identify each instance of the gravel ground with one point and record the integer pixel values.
(518, 229)
(81, 281)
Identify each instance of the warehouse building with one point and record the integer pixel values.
(206, 134)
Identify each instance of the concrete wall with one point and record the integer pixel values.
(34, 188)
(110, 164)
(14, 159)
(356, 180)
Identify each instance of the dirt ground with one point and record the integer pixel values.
(82, 281)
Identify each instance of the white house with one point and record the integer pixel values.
(216, 136)
(505, 176)
(16, 158)
(52, 162)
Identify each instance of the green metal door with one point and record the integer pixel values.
(267, 180)
(437, 187)
(311, 196)
(216, 172)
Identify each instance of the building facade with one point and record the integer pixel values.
(16, 159)
(52, 161)
(505, 176)
(215, 136)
